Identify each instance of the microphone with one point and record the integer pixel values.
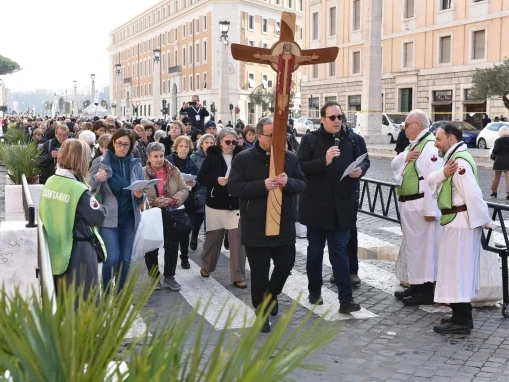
(336, 140)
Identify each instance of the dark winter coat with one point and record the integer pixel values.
(247, 181)
(213, 167)
(49, 164)
(328, 202)
(402, 142)
(198, 158)
(501, 154)
(190, 168)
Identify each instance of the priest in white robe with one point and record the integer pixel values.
(419, 213)
(464, 214)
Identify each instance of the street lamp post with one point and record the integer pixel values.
(156, 86)
(118, 103)
(92, 76)
(224, 87)
(75, 100)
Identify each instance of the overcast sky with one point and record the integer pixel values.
(58, 41)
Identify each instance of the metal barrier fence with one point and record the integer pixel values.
(28, 204)
(374, 193)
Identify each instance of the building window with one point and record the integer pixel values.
(409, 9)
(405, 100)
(183, 30)
(332, 21)
(183, 83)
(408, 54)
(204, 80)
(356, 62)
(446, 4)
(204, 50)
(315, 71)
(265, 25)
(332, 69)
(265, 45)
(265, 81)
(356, 17)
(191, 30)
(204, 23)
(278, 2)
(183, 56)
(314, 35)
(478, 41)
(250, 25)
(197, 53)
(290, 4)
(176, 35)
(168, 60)
(190, 55)
(445, 50)
(198, 26)
(197, 82)
(176, 58)
(191, 83)
(251, 80)
(250, 42)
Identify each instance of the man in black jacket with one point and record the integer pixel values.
(249, 180)
(196, 113)
(50, 151)
(327, 207)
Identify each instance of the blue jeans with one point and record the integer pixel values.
(338, 254)
(119, 246)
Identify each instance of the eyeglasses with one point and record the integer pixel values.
(333, 117)
(228, 142)
(408, 124)
(122, 145)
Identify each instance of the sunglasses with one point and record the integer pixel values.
(333, 117)
(228, 143)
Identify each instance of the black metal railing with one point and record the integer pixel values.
(374, 192)
(28, 204)
(175, 69)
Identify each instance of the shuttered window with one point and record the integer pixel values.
(356, 19)
(478, 44)
(315, 26)
(405, 100)
(408, 54)
(409, 9)
(445, 49)
(332, 21)
(356, 62)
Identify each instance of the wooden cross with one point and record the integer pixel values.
(284, 57)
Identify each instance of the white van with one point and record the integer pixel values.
(390, 124)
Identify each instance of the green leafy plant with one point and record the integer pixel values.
(7, 66)
(492, 82)
(21, 158)
(88, 343)
(15, 135)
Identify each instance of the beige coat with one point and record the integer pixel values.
(176, 188)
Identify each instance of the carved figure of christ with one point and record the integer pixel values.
(284, 57)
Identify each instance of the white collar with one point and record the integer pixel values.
(65, 173)
(463, 147)
(421, 134)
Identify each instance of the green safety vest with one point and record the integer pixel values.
(57, 211)
(410, 183)
(445, 195)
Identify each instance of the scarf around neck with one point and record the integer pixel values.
(169, 169)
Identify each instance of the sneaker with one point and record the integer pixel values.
(315, 299)
(348, 307)
(194, 243)
(185, 264)
(171, 283)
(355, 280)
(493, 194)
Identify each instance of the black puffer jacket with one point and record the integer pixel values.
(212, 168)
(247, 181)
(501, 153)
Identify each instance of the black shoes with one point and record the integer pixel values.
(401, 294)
(194, 243)
(275, 309)
(315, 299)
(451, 328)
(448, 320)
(348, 307)
(266, 326)
(185, 264)
(493, 194)
(226, 243)
(418, 299)
(354, 280)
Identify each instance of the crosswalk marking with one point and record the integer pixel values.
(206, 290)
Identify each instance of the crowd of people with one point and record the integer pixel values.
(89, 165)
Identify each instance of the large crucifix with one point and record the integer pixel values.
(284, 57)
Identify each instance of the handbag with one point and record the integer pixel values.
(193, 202)
(178, 222)
(149, 234)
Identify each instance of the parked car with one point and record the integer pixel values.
(391, 125)
(469, 131)
(303, 126)
(488, 135)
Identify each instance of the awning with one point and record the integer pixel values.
(441, 103)
(473, 102)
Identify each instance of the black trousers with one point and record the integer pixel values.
(461, 313)
(171, 248)
(353, 245)
(197, 221)
(259, 261)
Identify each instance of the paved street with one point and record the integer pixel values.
(385, 341)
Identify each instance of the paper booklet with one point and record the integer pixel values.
(353, 165)
(188, 177)
(142, 185)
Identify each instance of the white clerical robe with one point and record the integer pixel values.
(459, 251)
(417, 259)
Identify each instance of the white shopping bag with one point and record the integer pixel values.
(149, 235)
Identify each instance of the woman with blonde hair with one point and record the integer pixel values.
(70, 215)
(501, 165)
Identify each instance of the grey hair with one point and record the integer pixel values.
(421, 116)
(159, 134)
(154, 146)
(223, 133)
(262, 122)
(503, 131)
